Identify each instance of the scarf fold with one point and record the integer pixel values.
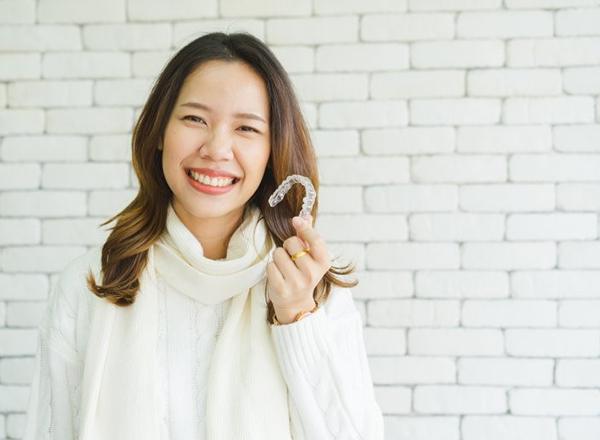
(246, 392)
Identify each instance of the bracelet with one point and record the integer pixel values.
(298, 316)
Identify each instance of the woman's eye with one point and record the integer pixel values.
(193, 118)
(251, 128)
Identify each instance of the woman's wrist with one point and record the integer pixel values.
(288, 315)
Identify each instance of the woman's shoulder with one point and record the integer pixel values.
(71, 283)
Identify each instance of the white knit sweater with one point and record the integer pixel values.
(322, 358)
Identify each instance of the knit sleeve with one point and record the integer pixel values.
(324, 363)
(53, 405)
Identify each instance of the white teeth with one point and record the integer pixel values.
(211, 181)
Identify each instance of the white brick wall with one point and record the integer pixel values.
(459, 152)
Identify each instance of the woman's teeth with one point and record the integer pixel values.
(211, 181)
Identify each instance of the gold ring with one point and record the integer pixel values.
(299, 254)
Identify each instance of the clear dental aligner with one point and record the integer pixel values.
(284, 187)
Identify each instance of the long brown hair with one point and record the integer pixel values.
(140, 224)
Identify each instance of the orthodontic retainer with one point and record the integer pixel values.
(308, 200)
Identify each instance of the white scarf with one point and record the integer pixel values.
(246, 394)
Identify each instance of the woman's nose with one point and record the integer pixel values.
(218, 145)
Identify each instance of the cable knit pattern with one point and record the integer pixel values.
(322, 358)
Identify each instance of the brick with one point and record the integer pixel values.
(462, 168)
(504, 24)
(407, 141)
(555, 110)
(413, 313)
(579, 314)
(509, 313)
(85, 176)
(411, 198)
(509, 256)
(110, 148)
(581, 80)
(577, 138)
(383, 284)
(74, 231)
(393, 399)
(265, 8)
(459, 53)
(554, 4)
(412, 370)
(552, 52)
(366, 114)
(13, 398)
(505, 371)
(456, 342)
(456, 227)
(50, 94)
(16, 371)
(23, 287)
(326, 7)
(19, 176)
(578, 197)
(514, 82)
(455, 111)
(148, 64)
(17, 342)
(359, 170)
(127, 36)
(17, 12)
(19, 231)
(80, 11)
(330, 143)
(579, 428)
(578, 22)
(43, 148)
(507, 197)
(418, 84)
(424, 427)
(579, 255)
(455, 5)
(21, 121)
(331, 87)
(578, 373)
(507, 426)
(407, 27)
(186, 31)
(86, 65)
(556, 226)
(552, 343)
(504, 139)
(107, 203)
(361, 57)
(122, 92)
(20, 66)
(385, 341)
(89, 120)
(554, 402)
(25, 314)
(555, 284)
(295, 59)
(314, 30)
(39, 38)
(461, 284)
(340, 199)
(453, 399)
(413, 256)
(38, 259)
(42, 203)
(366, 227)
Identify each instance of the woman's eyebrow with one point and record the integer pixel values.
(237, 115)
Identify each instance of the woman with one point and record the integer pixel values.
(207, 314)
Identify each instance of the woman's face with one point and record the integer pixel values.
(221, 122)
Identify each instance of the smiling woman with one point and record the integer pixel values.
(204, 315)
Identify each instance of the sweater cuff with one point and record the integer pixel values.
(301, 346)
